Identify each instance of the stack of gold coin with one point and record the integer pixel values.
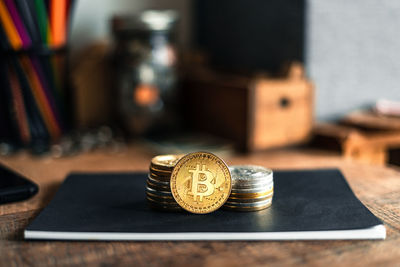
(158, 190)
(252, 188)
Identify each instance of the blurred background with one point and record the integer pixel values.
(225, 76)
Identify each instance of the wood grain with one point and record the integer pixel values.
(377, 187)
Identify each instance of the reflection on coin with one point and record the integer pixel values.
(158, 182)
(165, 162)
(250, 204)
(201, 182)
(260, 183)
(158, 193)
(157, 186)
(161, 177)
(247, 209)
(261, 187)
(250, 200)
(250, 195)
(252, 190)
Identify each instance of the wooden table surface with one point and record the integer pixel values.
(377, 187)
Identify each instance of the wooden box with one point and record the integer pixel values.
(254, 112)
(362, 136)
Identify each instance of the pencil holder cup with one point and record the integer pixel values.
(34, 97)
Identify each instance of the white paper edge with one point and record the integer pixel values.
(375, 232)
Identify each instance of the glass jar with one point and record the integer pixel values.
(145, 64)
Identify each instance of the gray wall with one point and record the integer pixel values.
(353, 46)
(353, 53)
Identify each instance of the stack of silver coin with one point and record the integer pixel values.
(252, 188)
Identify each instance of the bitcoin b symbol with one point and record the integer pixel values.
(201, 182)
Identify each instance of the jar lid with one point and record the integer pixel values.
(152, 20)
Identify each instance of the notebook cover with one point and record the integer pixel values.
(309, 200)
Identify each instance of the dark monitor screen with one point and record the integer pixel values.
(250, 35)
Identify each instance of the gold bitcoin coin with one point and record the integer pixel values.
(201, 182)
(164, 163)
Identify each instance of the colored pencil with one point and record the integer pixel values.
(28, 20)
(49, 97)
(36, 123)
(4, 43)
(19, 108)
(9, 123)
(40, 97)
(32, 10)
(9, 27)
(42, 20)
(49, 65)
(34, 74)
(58, 20)
(12, 9)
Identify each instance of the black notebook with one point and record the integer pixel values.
(307, 205)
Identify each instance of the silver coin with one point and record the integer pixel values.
(246, 209)
(251, 195)
(252, 186)
(250, 181)
(246, 172)
(253, 190)
(250, 174)
(244, 198)
(249, 200)
(267, 185)
(249, 205)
